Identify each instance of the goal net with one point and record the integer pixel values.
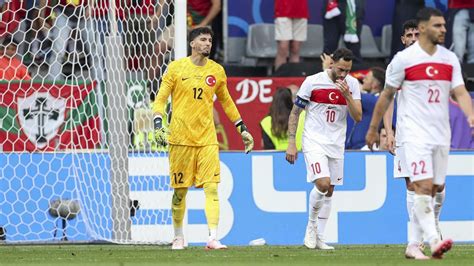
(77, 157)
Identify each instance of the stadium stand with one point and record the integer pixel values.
(386, 40)
(313, 47)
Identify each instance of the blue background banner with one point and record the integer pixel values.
(261, 196)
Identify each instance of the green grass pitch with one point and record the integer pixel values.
(131, 255)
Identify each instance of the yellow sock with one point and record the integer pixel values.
(212, 208)
(178, 207)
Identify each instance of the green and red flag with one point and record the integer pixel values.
(37, 116)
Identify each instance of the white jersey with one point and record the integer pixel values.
(326, 112)
(425, 82)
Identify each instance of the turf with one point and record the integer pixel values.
(262, 255)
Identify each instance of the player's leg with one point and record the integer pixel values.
(336, 169)
(317, 169)
(438, 202)
(283, 35)
(182, 161)
(322, 220)
(300, 32)
(440, 162)
(415, 245)
(419, 159)
(208, 176)
(178, 209)
(414, 248)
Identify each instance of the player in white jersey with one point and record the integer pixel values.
(426, 74)
(415, 238)
(327, 97)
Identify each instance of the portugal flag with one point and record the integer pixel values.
(48, 117)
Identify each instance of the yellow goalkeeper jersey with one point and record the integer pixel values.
(192, 89)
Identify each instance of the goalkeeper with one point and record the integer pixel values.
(193, 147)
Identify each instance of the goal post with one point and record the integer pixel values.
(78, 161)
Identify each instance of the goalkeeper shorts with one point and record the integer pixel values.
(194, 165)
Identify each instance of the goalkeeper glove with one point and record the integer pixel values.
(161, 134)
(246, 137)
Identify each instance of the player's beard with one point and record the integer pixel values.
(206, 52)
(438, 39)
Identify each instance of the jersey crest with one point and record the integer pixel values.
(211, 80)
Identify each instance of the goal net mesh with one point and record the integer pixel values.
(78, 161)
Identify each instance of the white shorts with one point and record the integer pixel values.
(424, 161)
(399, 169)
(287, 29)
(319, 165)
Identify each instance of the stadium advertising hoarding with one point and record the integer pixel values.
(253, 97)
(261, 196)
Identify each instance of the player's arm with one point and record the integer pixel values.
(465, 102)
(164, 92)
(233, 114)
(298, 107)
(215, 9)
(386, 97)
(387, 123)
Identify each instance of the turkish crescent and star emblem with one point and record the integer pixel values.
(211, 80)
(333, 97)
(431, 71)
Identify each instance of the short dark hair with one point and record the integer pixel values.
(198, 31)
(343, 53)
(426, 13)
(382, 126)
(379, 75)
(409, 24)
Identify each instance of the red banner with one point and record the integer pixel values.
(253, 97)
(48, 117)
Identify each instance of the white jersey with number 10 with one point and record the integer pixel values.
(326, 112)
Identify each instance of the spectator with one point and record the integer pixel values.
(373, 84)
(275, 125)
(11, 68)
(99, 21)
(70, 15)
(462, 12)
(343, 18)
(140, 36)
(404, 10)
(374, 81)
(32, 32)
(291, 26)
(201, 13)
(383, 145)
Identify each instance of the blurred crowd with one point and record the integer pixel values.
(61, 40)
(64, 39)
(342, 23)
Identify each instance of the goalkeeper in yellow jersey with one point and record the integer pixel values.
(192, 83)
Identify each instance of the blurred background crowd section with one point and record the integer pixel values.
(63, 40)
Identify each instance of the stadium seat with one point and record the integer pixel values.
(386, 40)
(313, 47)
(261, 41)
(236, 49)
(301, 69)
(245, 71)
(368, 46)
(468, 69)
